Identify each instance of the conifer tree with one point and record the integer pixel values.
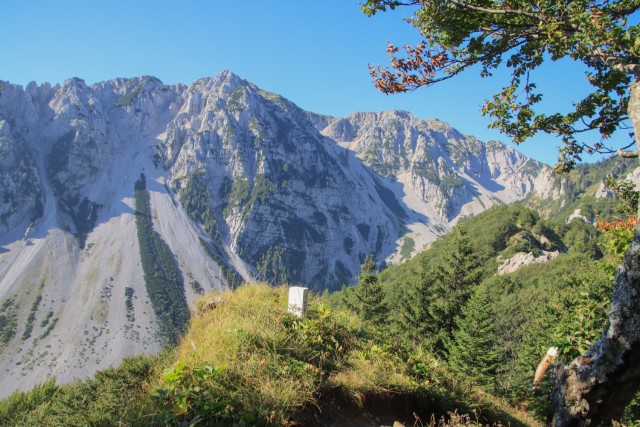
(370, 303)
(413, 319)
(449, 284)
(473, 351)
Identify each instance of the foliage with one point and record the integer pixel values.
(272, 360)
(233, 103)
(579, 190)
(618, 233)
(238, 196)
(128, 98)
(617, 238)
(32, 315)
(277, 367)
(408, 245)
(128, 295)
(369, 295)
(520, 35)
(246, 361)
(231, 276)
(197, 287)
(450, 280)
(272, 267)
(262, 189)
(182, 402)
(245, 194)
(581, 312)
(195, 197)
(473, 349)
(626, 196)
(560, 300)
(113, 397)
(162, 276)
(413, 318)
(8, 322)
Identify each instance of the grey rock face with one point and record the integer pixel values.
(21, 189)
(455, 173)
(284, 198)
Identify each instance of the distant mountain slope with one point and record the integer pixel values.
(441, 172)
(580, 192)
(241, 183)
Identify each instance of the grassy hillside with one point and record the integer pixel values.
(246, 361)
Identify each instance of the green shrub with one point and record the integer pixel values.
(115, 396)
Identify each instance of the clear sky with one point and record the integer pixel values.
(314, 53)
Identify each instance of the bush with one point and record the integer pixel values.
(115, 396)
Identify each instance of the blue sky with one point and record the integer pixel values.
(314, 53)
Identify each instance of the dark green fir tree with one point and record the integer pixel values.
(370, 297)
(449, 282)
(473, 349)
(413, 320)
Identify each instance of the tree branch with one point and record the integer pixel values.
(539, 16)
(627, 154)
(616, 63)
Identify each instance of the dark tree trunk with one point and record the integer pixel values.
(594, 389)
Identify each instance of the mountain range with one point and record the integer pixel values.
(124, 200)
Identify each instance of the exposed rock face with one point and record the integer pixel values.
(242, 184)
(289, 201)
(457, 174)
(577, 214)
(437, 170)
(521, 259)
(603, 192)
(21, 189)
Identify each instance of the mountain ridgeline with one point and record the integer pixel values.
(125, 200)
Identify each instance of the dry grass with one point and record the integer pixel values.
(272, 366)
(372, 371)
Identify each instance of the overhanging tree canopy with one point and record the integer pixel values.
(521, 35)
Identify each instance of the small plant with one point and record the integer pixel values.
(197, 287)
(128, 293)
(52, 325)
(46, 320)
(192, 395)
